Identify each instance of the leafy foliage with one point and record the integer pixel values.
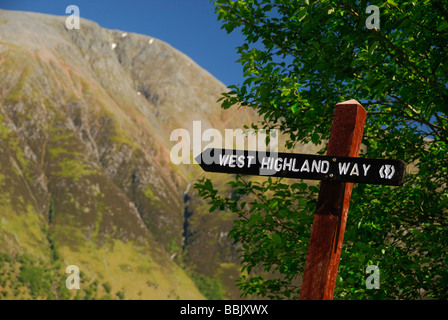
(29, 278)
(273, 227)
(210, 287)
(302, 57)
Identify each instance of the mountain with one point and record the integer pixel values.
(85, 171)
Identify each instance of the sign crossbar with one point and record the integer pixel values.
(303, 166)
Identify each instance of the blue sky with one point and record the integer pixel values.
(190, 26)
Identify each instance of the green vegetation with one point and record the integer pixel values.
(36, 278)
(211, 288)
(19, 62)
(149, 194)
(107, 287)
(63, 149)
(120, 294)
(25, 277)
(300, 58)
(74, 169)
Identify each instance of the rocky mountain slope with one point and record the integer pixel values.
(85, 172)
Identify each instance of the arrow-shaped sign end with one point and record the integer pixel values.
(209, 152)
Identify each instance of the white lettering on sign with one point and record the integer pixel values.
(240, 162)
(232, 161)
(302, 166)
(366, 168)
(355, 171)
(274, 164)
(223, 159)
(387, 171)
(305, 166)
(250, 158)
(343, 167)
(265, 163)
(289, 164)
(277, 164)
(325, 166)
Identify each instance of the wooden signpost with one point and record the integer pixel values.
(338, 170)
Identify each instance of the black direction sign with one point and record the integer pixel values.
(303, 166)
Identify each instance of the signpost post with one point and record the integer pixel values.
(328, 229)
(338, 170)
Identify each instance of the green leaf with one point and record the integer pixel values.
(277, 239)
